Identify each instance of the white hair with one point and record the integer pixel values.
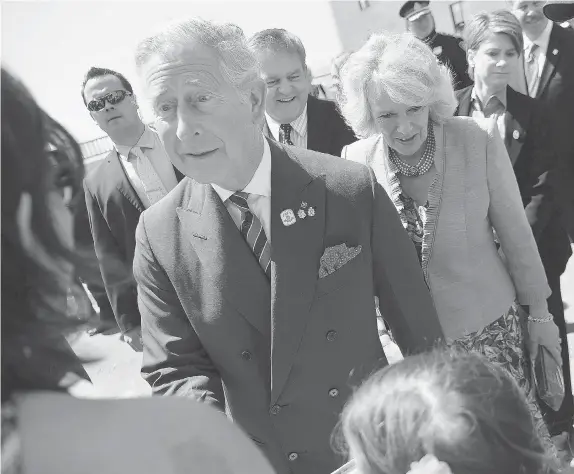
(402, 66)
(237, 63)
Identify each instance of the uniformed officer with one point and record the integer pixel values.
(447, 48)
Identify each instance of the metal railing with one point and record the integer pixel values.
(96, 149)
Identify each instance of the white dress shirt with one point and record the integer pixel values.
(259, 190)
(149, 169)
(299, 134)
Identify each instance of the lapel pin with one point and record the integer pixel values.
(301, 214)
(555, 52)
(311, 211)
(515, 135)
(288, 217)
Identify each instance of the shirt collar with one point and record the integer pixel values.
(147, 140)
(501, 96)
(260, 183)
(542, 41)
(299, 124)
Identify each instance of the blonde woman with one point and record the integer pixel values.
(452, 184)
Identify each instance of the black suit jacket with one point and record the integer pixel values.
(529, 143)
(114, 209)
(327, 131)
(288, 351)
(449, 52)
(556, 89)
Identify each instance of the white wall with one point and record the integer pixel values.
(355, 26)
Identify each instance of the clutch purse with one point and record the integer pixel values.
(548, 379)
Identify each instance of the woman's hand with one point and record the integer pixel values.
(544, 334)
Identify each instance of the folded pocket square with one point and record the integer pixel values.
(335, 257)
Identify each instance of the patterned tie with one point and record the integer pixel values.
(531, 69)
(285, 130)
(253, 232)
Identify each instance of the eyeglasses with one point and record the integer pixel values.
(113, 98)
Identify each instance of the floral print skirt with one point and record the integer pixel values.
(503, 343)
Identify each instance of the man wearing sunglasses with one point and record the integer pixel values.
(135, 175)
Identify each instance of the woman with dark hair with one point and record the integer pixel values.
(41, 170)
(443, 413)
(53, 433)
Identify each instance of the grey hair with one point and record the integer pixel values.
(402, 66)
(237, 63)
(278, 39)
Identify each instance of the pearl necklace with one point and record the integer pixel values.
(424, 164)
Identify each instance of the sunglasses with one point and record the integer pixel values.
(113, 98)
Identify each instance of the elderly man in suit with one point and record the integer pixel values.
(135, 174)
(257, 274)
(547, 74)
(293, 115)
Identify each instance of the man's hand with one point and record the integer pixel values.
(133, 337)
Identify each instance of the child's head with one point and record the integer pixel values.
(458, 407)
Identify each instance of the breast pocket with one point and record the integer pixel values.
(345, 275)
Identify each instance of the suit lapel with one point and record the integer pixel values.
(117, 174)
(225, 257)
(267, 131)
(317, 129)
(463, 108)
(552, 57)
(296, 252)
(515, 119)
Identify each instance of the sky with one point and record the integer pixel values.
(50, 45)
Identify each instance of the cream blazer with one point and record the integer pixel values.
(474, 193)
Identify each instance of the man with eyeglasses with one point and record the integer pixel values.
(135, 175)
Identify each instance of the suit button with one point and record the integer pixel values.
(246, 355)
(333, 393)
(293, 456)
(275, 409)
(331, 336)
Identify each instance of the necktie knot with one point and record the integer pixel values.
(239, 198)
(285, 130)
(532, 53)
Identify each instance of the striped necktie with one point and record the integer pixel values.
(253, 232)
(285, 130)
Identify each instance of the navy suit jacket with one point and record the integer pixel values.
(556, 89)
(114, 209)
(282, 355)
